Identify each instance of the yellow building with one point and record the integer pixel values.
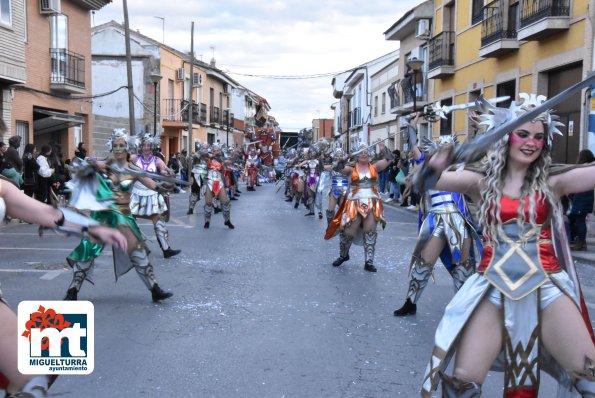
(505, 47)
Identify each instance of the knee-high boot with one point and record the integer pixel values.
(140, 259)
(585, 380)
(329, 217)
(461, 272)
(192, 199)
(208, 212)
(37, 387)
(455, 388)
(420, 275)
(163, 239)
(369, 250)
(344, 245)
(81, 271)
(226, 207)
(298, 199)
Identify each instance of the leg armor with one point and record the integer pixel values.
(143, 267)
(329, 216)
(369, 250)
(461, 272)
(420, 275)
(81, 271)
(298, 199)
(585, 381)
(37, 387)
(192, 199)
(344, 245)
(455, 388)
(208, 212)
(162, 235)
(226, 209)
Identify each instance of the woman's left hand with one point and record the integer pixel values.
(109, 236)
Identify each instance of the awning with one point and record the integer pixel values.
(55, 121)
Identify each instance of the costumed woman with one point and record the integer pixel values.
(216, 186)
(147, 203)
(16, 204)
(522, 311)
(361, 209)
(198, 177)
(312, 166)
(446, 232)
(251, 169)
(112, 191)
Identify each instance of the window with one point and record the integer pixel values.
(78, 135)
(472, 130)
(375, 106)
(446, 124)
(476, 11)
(5, 12)
(506, 88)
(59, 31)
(383, 110)
(22, 130)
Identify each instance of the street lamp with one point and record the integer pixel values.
(415, 65)
(155, 78)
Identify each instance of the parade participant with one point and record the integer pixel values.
(114, 188)
(251, 169)
(446, 232)
(311, 165)
(522, 310)
(18, 205)
(339, 184)
(147, 203)
(198, 176)
(297, 181)
(361, 209)
(215, 188)
(325, 184)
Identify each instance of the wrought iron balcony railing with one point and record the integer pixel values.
(535, 10)
(442, 49)
(492, 26)
(68, 68)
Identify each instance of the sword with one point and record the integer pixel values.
(371, 146)
(142, 173)
(475, 149)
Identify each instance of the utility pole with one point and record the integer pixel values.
(129, 70)
(191, 148)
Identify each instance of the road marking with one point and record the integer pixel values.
(48, 276)
(35, 248)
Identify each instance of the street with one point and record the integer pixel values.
(257, 311)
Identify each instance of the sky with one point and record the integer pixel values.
(252, 39)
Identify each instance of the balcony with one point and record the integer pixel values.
(442, 55)
(542, 18)
(68, 71)
(405, 90)
(227, 118)
(495, 39)
(176, 112)
(356, 117)
(215, 115)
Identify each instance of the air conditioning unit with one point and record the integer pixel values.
(49, 6)
(181, 74)
(423, 29)
(196, 79)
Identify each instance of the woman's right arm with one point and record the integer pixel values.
(463, 181)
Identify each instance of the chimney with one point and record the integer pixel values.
(213, 62)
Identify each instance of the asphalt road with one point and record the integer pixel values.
(257, 311)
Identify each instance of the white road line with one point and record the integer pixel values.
(48, 276)
(19, 270)
(36, 249)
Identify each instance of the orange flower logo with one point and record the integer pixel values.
(43, 319)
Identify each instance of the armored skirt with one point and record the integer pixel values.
(524, 273)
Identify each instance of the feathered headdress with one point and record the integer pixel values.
(491, 116)
(120, 134)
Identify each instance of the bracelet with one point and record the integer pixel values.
(60, 221)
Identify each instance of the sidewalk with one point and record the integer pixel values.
(587, 256)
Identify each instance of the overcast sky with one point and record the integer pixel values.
(274, 38)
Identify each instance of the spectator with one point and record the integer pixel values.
(393, 171)
(81, 151)
(173, 163)
(12, 153)
(3, 148)
(45, 174)
(12, 174)
(30, 169)
(183, 158)
(581, 206)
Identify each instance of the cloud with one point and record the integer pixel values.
(273, 38)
